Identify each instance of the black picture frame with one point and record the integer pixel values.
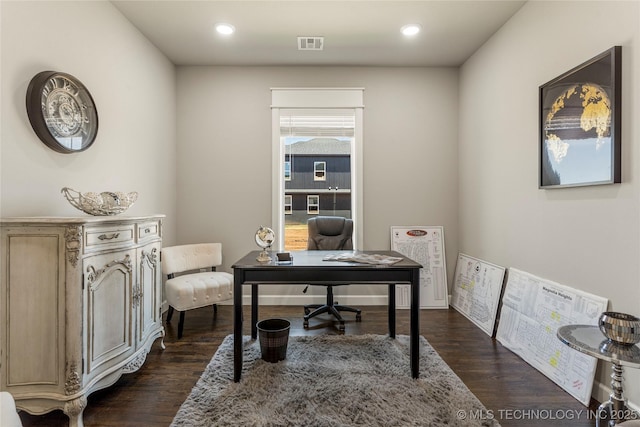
(580, 124)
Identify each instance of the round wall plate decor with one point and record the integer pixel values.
(62, 112)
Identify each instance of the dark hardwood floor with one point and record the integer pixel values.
(514, 392)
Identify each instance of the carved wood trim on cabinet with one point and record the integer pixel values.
(80, 304)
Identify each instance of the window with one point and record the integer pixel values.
(287, 171)
(288, 204)
(319, 171)
(316, 157)
(313, 204)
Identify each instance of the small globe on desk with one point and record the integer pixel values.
(620, 328)
(264, 238)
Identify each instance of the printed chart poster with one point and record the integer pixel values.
(532, 311)
(476, 291)
(425, 245)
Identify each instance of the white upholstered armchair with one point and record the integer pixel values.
(188, 286)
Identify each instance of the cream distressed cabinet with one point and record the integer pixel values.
(80, 305)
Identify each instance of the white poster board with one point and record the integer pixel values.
(424, 245)
(477, 286)
(532, 311)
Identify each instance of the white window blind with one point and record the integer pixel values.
(318, 123)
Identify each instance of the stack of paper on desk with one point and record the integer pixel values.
(363, 258)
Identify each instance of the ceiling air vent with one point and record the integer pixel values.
(310, 43)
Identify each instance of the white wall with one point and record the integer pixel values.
(133, 86)
(586, 238)
(482, 189)
(224, 156)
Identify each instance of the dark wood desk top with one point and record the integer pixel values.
(309, 267)
(315, 259)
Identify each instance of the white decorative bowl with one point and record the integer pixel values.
(620, 328)
(100, 204)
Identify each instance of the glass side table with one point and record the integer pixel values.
(589, 340)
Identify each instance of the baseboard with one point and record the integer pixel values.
(354, 300)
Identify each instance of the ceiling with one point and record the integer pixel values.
(356, 32)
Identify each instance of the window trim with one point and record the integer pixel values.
(317, 98)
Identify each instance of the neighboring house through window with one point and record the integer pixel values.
(288, 204)
(319, 171)
(287, 171)
(313, 204)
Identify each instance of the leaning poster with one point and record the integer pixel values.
(532, 311)
(425, 245)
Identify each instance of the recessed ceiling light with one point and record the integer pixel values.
(410, 29)
(225, 29)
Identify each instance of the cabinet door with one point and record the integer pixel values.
(147, 298)
(32, 310)
(108, 285)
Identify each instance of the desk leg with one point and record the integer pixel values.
(392, 311)
(414, 339)
(254, 311)
(238, 279)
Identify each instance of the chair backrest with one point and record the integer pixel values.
(330, 233)
(176, 259)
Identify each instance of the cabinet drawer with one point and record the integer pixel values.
(108, 237)
(148, 230)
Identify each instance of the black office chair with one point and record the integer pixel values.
(329, 233)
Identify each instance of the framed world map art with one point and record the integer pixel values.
(580, 124)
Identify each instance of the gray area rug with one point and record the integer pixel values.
(331, 380)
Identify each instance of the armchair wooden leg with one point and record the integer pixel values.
(181, 324)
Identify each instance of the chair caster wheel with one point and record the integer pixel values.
(305, 324)
(341, 326)
(358, 317)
